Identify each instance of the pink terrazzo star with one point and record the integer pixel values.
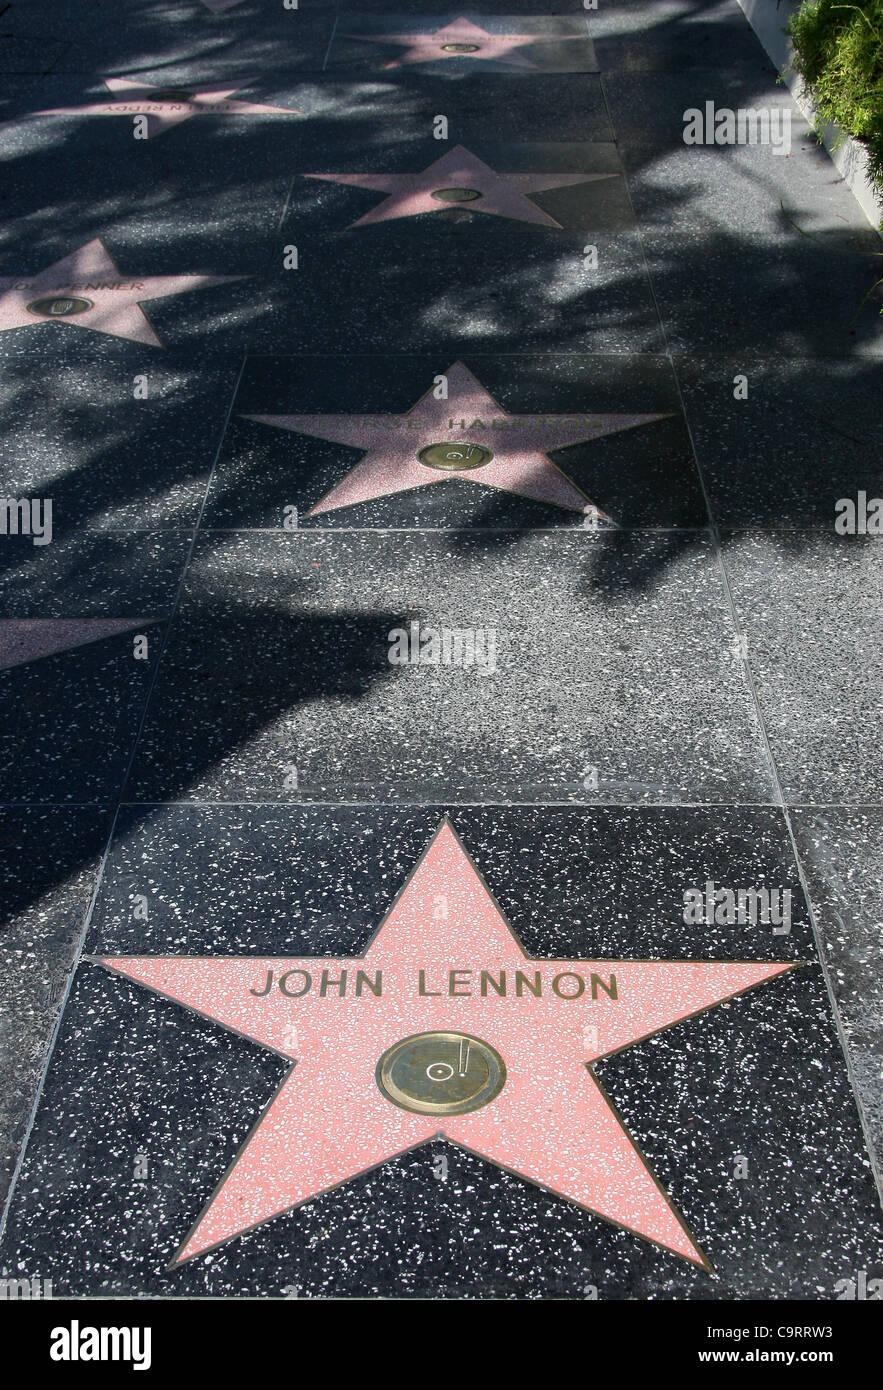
(23, 640)
(469, 418)
(86, 290)
(464, 181)
(444, 961)
(460, 39)
(164, 111)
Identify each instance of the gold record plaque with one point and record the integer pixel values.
(456, 195)
(454, 457)
(441, 1073)
(59, 306)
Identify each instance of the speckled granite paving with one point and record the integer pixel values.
(440, 594)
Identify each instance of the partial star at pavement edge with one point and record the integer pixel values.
(86, 290)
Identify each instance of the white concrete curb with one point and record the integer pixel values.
(768, 19)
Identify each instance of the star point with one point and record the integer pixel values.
(85, 289)
(23, 640)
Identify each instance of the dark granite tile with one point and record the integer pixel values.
(212, 199)
(453, 284)
(669, 36)
(26, 56)
(78, 433)
(90, 576)
(316, 880)
(204, 199)
(611, 651)
(71, 717)
(392, 115)
(74, 679)
(273, 42)
(807, 435)
(48, 860)
(734, 293)
(633, 96)
(810, 607)
(483, 9)
(842, 854)
(18, 95)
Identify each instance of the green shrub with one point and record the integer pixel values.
(838, 51)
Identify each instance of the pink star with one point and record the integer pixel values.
(459, 179)
(86, 290)
(503, 1066)
(23, 640)
(180, 103)
(460, 39)
(469, 419)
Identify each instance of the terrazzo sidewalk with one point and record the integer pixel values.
(441, 809)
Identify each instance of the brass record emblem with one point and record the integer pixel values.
(441, 1074)
(454, 458)
(456, 195)
(460, 47)
(59, 306)
(171, 94)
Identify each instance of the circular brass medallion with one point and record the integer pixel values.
(454, 458)
(172, 94)
(456, 195)
(59, 306)
(460, 47)
(441, 1074)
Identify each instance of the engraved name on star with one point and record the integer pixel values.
(468, 419)
(459, 39)
(460, 179)
(168, 104)
(86, 290)
(495, 1049)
